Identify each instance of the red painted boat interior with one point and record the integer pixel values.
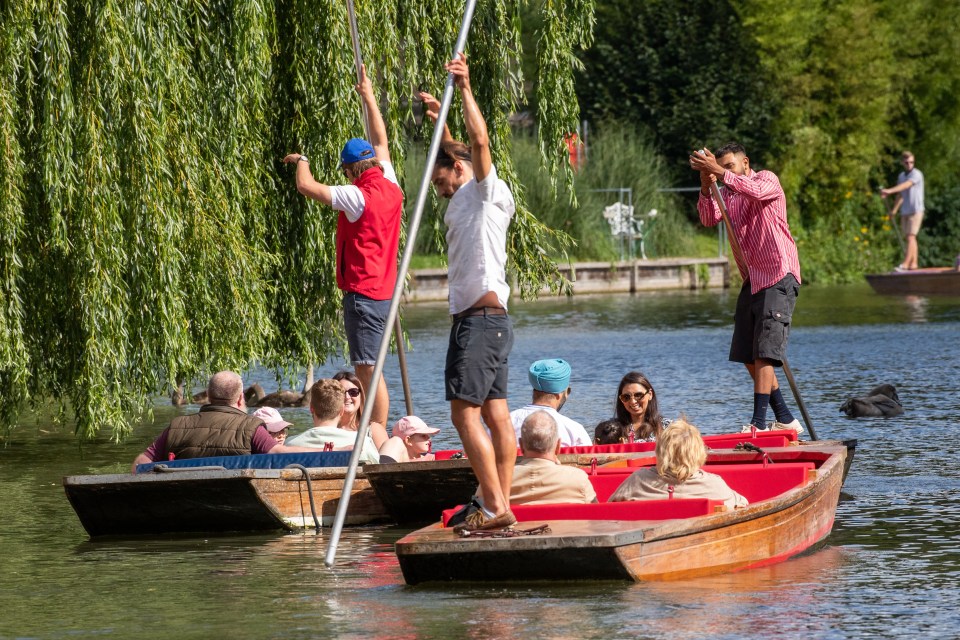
(755, 482)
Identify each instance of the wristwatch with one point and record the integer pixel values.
(303, 159)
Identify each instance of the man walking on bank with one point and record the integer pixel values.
(757, 208)
(368, 237)
(481, 207)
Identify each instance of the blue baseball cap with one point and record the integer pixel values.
(355, 150)
(550, 376)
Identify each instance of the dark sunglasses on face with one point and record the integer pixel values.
(353, 393)
(636, 397)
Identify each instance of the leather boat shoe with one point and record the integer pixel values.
(478, 521)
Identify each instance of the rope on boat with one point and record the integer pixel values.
(749, 446)
(313, 507)
(507, 533)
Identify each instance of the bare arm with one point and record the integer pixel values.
(140, 459)
(431, 107)
(376, 128)
(903, 186)
(305, 181)
(472, 118)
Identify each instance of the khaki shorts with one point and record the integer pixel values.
(910, 224)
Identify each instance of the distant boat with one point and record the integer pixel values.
(793, 503)
(935, 281)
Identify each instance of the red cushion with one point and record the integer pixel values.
(637, 510)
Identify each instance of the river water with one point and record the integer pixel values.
(891, 567)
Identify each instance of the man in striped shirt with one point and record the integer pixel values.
(771, 276)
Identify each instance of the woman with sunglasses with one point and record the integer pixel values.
(353, 399)
(636, 408)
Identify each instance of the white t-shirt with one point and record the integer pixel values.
(477, 220)
(349, 199)
(572, 433)
(318, 436)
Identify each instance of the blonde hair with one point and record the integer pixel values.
(680, 451)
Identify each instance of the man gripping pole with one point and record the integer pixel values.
(770, 267)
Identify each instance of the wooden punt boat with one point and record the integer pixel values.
(793, 504)
(937, 281)
(203, 496)
(416, 492)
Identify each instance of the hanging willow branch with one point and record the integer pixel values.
(148, 231)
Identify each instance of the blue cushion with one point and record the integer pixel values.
(259, 461)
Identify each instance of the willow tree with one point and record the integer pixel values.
(149, 232)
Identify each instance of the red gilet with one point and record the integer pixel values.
(367, 248)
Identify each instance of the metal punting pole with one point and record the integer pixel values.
(398, 289)
(397, 329)
(742, 265)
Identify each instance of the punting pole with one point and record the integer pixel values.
(742, 265)
(398, 289)
(893, 222)
(397, 329)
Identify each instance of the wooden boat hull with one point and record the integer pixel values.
(941, 281)
(214, 501)
(763, 533)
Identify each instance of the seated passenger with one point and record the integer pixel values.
(410, 441)
(326, 407)
(538, 477)
(610, 432)
(550, 380)
(636, 408)
(680, 455)
(221, 428)
(276, 426)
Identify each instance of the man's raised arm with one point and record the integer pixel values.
(472, 118)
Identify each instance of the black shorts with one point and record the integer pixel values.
(761, 324)
(477, 356)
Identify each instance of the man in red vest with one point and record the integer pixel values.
(368, 236)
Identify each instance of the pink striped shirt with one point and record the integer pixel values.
(758, 213)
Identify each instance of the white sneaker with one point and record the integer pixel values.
(792, 426)
(748, 428)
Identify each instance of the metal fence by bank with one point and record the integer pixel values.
(628, 276)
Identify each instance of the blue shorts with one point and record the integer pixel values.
(761, 324)
(365, 320)
(477, 358)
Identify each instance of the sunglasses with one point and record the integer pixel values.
(636, 397)
(353, 393)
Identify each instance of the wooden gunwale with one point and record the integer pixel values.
(764, 532)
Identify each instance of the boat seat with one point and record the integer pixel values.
(754, 482)
(258, 461)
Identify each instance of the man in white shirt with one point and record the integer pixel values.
(481, 207)
(550, 380)
(368, 237)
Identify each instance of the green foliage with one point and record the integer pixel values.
(619, 157)
(939, 237)
(858, 238)
(148, 231)
(687, 71)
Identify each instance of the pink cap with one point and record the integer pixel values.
(272, 419)
(409, 425)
